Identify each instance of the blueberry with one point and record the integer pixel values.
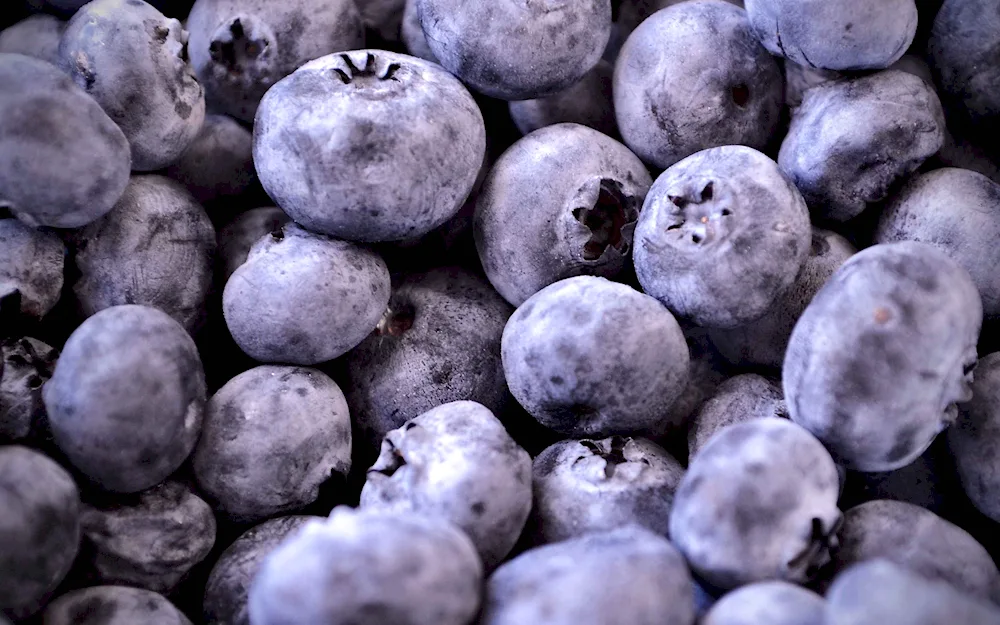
(39, 529)
(561, 202)
(272, 435)
(925, 482)
(367, 567)
(456, 462)
(587, 101)
(964, 49)
(693, 77)
(960, 151)
(773, 603)
(241, 48)
(589, 357)
(113, 605)
(517, 50)
(972, 441)
(882, 354)
(413, 35)
(150, 541)
(739, 399)
(238, 236)
(966, 231)
(919, 540)
(845, 149)
(584, 486)
(229, 582)
(344, 147)
(25, 365)
(80, 160)
(802, 78)
(321, 296)
(764, 340)
(382, 18)
(218, 163)
(628, 576)
(628, 14)
(835, 34)
(721, 235)
(438, 342)
(37, 35)
(126, 399)
(31, 270)
(879, 592)
(758, 502)
(154, 248)
(133, 61)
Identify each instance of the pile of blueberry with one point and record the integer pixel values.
(500, 312)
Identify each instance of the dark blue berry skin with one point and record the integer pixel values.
(964, 50)
(37, 35)
(39, 529)
(721, 235)
(516, 50)
(113, 605)
(587, 102)
(919, 540)
(739, 399)
(438, 342)
(343, 145)
(881, 356)
(80, 158)
(845, 150)
(837, 35)
(561, 202)
(774, 603)
(26, 364)
(125, 402)
(31, 270)
(878, 592)
(972, 440)
(590, 357)
(628, 576)
(957, 211)
(692, 77)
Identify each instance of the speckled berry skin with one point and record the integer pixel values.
(845, 149)
(72, 161)
(343, 145)
(229, 582)
(155, 248)
(919, 540)
(368, 568)
(271, 436)
(739, 399)
(438, 342)
(304, 298)
(881, 356)
(125, 402)
(150, 542)
(39, 529)
(241, 48)
(758, 502)
(456, 462)
(587, 102)
(878, 592)
(773, 603)
(958, 211)
(692, 77)
(972, 440)
(26, 364)
(517, 49)
(561, 202)
(31, 269)
(133, 61)
(584, 486)
(837, 34)
(590, 357)
(113, 605)
(763, 341)
(628, 576)
(721, 235)
(964, 50)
